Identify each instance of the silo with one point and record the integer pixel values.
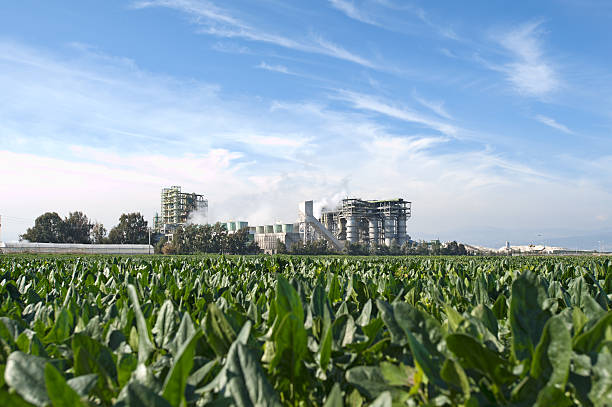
(373, 230)
(389, 229)
(352, 233)
(401, 230)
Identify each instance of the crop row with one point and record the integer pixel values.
(270, 331)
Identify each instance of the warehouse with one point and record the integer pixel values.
(73, 248)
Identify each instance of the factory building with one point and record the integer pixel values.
(370, 222)
(176, 209)
(268, 236)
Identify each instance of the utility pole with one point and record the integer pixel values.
(149, 248)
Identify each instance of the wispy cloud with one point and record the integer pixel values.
(435, 106)
(553, 123)
(221, 23)
(375, 104)
(274, 68)
(352, 11)
(530, 72)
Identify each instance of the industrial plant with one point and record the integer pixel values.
(369, 222)
(176, 209)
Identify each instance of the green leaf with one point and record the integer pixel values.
(398, 336)
(176, 380)
(184, 332)
(452, 373)
(590, 340)
(243, 377)
(61, 329)
(290, 346)
(145, 347)
(368, 380)
(334, 398)
(397, 375)
(83, 384)
(126, 364)
(218, 331)
(26, 374)
(473, 355)
(325, 349)
(527, 314)
(59, 392)
(164, 325)
(288, 300)
(383, 400)
(12, 399)
(138, 395)
(601, 392)
(427, 361)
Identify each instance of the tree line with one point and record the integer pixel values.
(194, 239)
(321, 247)
(78, 228)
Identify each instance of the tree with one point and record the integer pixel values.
(77, 228)
(132, 228)
(280, 247)
(98, 233)
(48, 228)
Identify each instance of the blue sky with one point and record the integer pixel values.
(494, 120)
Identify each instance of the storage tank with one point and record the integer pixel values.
(389, 230)
(278, 228)
(288, 228)
(269, 228)
(241, 225)
(260, 229)
(373, 230)
(352, 234)
(401, 230)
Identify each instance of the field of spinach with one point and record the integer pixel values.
(305, 331)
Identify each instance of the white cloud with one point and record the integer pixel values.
(352, 11)
(530, 72)
(553, 123)
(435, 106)
(218, 22)
(274, 68)
(375, 104)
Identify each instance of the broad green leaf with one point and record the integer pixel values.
(473, 355)
(184, 332)
(383, 400)
(139, 395)
(590, 340)
(290, 346)
(288, 300)
(165, 324)
(61, 328)
(601, 392)
(218, 331)
(527, 315)
(334, 398)
(145, 347)
(83, 384)
(452, 373)
(176, 380)
(26, 375)
(12, 399)
(59, 392)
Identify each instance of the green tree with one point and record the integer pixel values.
(98, 233)
(77, 228)
(48, 228)
(280, 247)
(132, 228)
